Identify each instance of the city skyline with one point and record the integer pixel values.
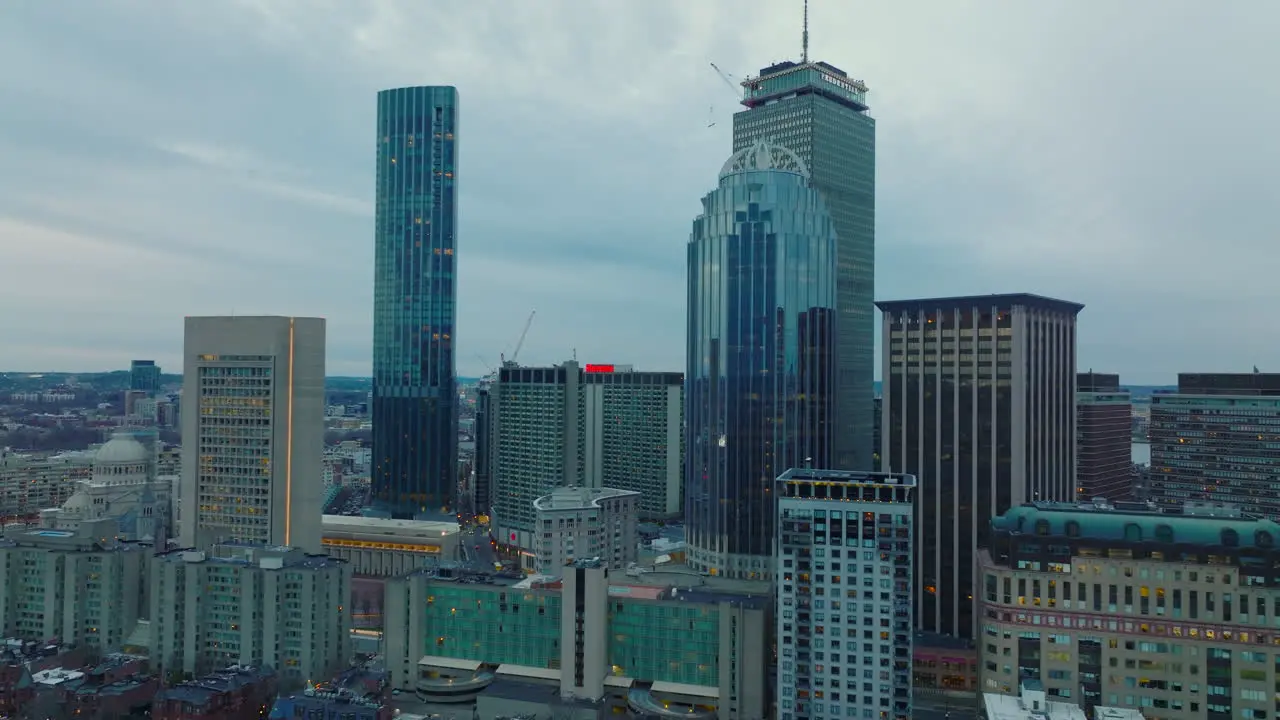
(988, 183)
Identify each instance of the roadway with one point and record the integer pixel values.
(477, 552)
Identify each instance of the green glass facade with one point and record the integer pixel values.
(666, 642)
(493, 625)
(415, 419)
(819, 113)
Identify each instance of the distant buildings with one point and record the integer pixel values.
(30, 483)
(144, 376)
(979, 405)
(81, 587)
(585, 426)
(612, 643)
(818, 112)
(251, 605)
(761, 374)
(1104, 437)
(844, 565)
(1217, 439)
(577, 523)
(415, 406)
(1174, 614)
(253, 431)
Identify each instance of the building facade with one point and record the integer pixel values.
(144, 375)
(250, 605)
(586, 426)
(415, 404)
(650, 648)
(818, 112)
(761, 354)
(253, 433)
(482, 485)
(843, 588)
(1104, 436)
(82, 587)
(233, 693)
(577, 523)
(979, 404)
(30, 483)
(1218, 439)
(1172, 613)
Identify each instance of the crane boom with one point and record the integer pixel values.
(726, 77)
(523, 334)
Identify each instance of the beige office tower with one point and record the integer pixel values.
(253, 436)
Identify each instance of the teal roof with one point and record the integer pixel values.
(1126, 525)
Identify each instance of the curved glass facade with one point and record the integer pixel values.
(415, 299)
(761, 373)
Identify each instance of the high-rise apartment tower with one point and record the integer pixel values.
(252, 431)
(844, 538)
(761, 354)
(415, 297)
(978, 404)
(818, 112)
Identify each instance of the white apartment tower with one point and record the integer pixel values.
(252, 431)
(844, 625)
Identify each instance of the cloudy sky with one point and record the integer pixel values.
(163, 159)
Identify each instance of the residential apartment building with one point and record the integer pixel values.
(1218, 440)
(587, 426)
(251, 605)
(844, 600)
(30, 483)
(1104, 434)
(253, 431)
(978, 403)
(577, 523)
(1174, 613)
(80, 587)
(640, 643)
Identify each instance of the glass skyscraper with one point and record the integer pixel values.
(820, 113)
(415, 417)
(761, 377)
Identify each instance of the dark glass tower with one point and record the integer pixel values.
(415, 421)
(761, 377)
(820, 113)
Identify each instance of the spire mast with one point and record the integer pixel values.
(804, 48)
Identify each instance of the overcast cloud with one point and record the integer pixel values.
(163, 159)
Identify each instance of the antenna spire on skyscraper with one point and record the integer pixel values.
(804, 47)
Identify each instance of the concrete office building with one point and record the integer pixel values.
(1104, 436)
(979, 404)
(1176, 613)
(1218, 439)
(844, 594)
(81, 587)
(415, 300)
(591, 641)
(239, 604)
(761, 354)
(586, 426)
(818, 112)
(577, 523)
(253, 432)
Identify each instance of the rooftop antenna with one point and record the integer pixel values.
(804, 50)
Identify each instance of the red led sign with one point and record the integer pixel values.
(592, 367)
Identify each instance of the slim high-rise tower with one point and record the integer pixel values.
(979, 405)
(760, 380)
(820, 113)
(252, 431)
(415, 420)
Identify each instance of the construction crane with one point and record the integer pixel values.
(519, 343)
(728, 80)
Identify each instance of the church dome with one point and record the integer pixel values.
(79, 503)
(123, 449)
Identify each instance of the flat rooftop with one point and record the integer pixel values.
(966, 302)
(385, 526)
